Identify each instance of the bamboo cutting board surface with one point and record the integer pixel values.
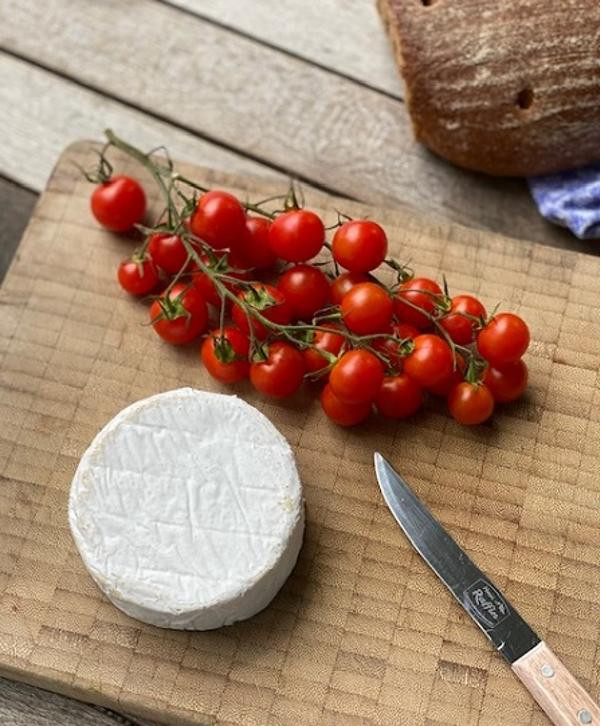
(362, 632)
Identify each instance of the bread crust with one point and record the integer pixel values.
(507, 87)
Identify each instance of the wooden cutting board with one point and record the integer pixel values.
(362, 632)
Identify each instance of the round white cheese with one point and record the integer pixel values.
(187, 510)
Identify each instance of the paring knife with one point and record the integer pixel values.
(563, 699)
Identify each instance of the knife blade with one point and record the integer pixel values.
(560, 695)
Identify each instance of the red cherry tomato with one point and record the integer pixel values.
(257, 250)
(456, 376)
(119, 203)
(405, 330)
(329, 342)
(503, 340)
(281, 374)
(306, 289)
(297, 235)
(225, 355)
(219, 220)
(507, 383)
(180, 316)
(344, 282)
(359, 245)
(399, 396)
(341, 413)
(393, 348)
(356, 377)
(137, 276)
(459, 323)
(470, 403)
(168, 252)
(367, 308)
(422, 292)
(203, 283)
(430, 362)
(269, 301)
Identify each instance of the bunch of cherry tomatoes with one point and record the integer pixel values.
(283, 317)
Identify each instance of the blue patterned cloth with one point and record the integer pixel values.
(571, 199)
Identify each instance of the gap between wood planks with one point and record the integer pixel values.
(250, 26)
(248, 98)
(183, 127)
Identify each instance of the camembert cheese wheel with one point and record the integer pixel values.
(187, 510)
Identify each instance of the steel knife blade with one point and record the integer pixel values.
(563, 699)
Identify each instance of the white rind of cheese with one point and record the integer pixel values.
(187, 510)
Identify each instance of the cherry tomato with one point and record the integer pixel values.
(367, 308)
(344, 282)
(257, 250)
(219, 220)
(137, 276)
(422, 292)
(392, 349)
(399, 396)
(225, 355)
(405, 330)
(119, 203)
(203, 283)
(503, 340)
(306, 289)
(329, 342)
(281, 374)
(430, 362)
(297, 235)
(269, 301)
(359, 245)
(470, 403)
(507, 383)
(458, 323)
(168, 252)
(443, 387)
(356, 377)
(341, 413)
(180, 316)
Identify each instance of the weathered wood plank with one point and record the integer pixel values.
(43, 113)
(344, 35)
(16, 204)
(282, 111)
(22, 705)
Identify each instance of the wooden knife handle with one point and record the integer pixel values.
(563, 699)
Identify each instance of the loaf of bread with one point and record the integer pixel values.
(508, 87)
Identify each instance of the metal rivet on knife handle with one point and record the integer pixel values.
(563, 699)
(547, 670)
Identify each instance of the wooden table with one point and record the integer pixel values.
(270, 86)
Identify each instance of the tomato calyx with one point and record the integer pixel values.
(171, 307)
(475, 371)
(103, 170)
(138, 257)
(259, 352)
(404, 272)
(224, 351)
(291, 200)
(259, 298)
